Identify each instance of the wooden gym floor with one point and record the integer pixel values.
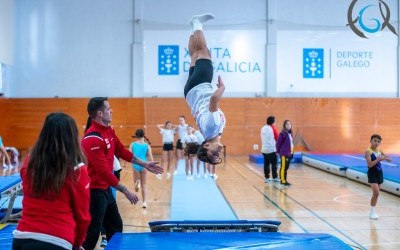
(317, 202)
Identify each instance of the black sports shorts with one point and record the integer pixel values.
(202, 72)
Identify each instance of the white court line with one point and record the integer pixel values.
(337, 199)
(389, 243)
(361, 158)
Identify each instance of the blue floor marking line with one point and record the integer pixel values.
(198, 199)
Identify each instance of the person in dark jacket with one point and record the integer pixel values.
(284, 147)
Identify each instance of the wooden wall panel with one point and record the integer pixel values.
(332, 125)
(5, 116)
(160, 110)
(77, 108)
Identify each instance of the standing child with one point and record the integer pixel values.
(211, 170)
(201, 97)
(167, 130)
(284, 147)
(181, 129)
(190, 138)
(141, 148)
(374, 156)
(200, 139)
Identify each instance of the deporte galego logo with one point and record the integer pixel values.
(368, 19)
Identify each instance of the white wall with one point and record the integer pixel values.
(80, 48)
(6, 31)
(6, 37)
(73, 48)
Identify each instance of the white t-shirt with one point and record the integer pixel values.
(200, 137)
(182, 131)
(267, 140)
(117, 165)
(211, 124)
(167, 135)
(190, 138)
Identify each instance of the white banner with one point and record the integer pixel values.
(238, 56)
(337, 62)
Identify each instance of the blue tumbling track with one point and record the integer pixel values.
(354, 166)
(198, 199)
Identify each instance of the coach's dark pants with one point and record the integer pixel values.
(30, 244)
(104, 211)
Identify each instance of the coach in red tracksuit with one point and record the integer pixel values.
(100, 144)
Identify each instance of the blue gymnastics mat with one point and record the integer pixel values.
(358, 163)
(10, 187)
(7, 182)
(354, 167)
(6, 236)
(341, 160)
(259, 159)
(177, 241)
(198, 199)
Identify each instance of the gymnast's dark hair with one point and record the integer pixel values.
(140, 134)
(54, 155)
(95, 104)
(192, 148)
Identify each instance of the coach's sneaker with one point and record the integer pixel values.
(276, 180)
(373, 216)
(103, 242)
(268, 180)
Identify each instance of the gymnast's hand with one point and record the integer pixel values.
(387, 158)
(220, 83)
(153, 167)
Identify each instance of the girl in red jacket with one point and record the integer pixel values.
(56, 190)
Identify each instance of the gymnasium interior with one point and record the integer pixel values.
(330, 67)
